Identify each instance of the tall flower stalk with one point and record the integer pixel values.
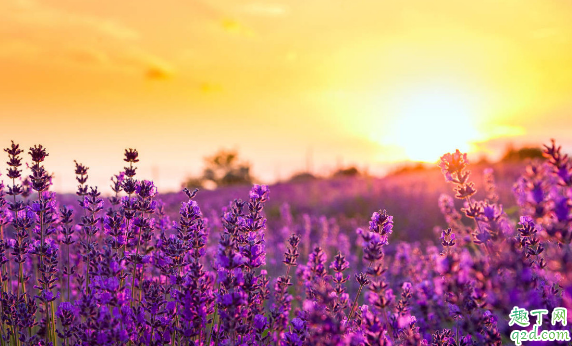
(67, 230)
(82, 190)
(40, 182)
(92, 204)
(129, 186)
(453, 168)
(16, 206)
(146, 191)
(380, 228)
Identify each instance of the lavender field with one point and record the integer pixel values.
(437, 257)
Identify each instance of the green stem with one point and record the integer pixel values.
(16, 339)
(354, 305)
(53, 322)
(69, 268)
(389, 329)
(134, 269)
(124, 247)
(46, 337)
(176, 309)
(21, 279)
(214, 319)
(87, 289)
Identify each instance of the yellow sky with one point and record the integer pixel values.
(361, 82)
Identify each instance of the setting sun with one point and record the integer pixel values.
(434, 120)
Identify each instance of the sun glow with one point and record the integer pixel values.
(431, 122)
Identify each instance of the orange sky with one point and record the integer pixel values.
(344, 80)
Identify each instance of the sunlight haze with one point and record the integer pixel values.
(363, 83)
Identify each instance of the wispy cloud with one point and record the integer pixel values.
(134, 59)
(157, 73)
(38, 29)
(33, 14)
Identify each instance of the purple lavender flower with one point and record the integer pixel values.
(39, 177)
(381, 223)
(205, 280)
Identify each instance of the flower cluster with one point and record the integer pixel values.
(113, 269)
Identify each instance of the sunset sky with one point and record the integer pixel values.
(343, 82)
